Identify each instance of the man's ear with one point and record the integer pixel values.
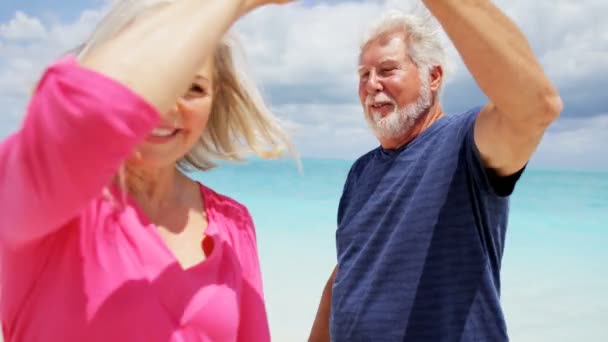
(436, 77)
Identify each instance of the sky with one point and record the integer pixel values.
(304, 58)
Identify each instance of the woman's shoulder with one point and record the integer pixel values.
(226, 210)
(231, 220)
(220, 200)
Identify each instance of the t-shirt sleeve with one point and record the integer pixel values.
(488, 179)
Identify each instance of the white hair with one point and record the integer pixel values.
(421, 34)
(240, 122)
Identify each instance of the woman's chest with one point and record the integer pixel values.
(131, 275)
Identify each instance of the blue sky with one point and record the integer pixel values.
(308, 71)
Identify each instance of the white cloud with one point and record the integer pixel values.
(304, 45)
(329, 130)
(570, 36)
(22, 27)
(576, 143)
(27, 46)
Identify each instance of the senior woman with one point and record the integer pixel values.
(102, 237)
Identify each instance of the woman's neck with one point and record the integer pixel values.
(155, 189)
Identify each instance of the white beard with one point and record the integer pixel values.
(400, 121)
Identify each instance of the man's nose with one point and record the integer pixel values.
(373, 84)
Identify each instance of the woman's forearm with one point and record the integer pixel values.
(158, 54)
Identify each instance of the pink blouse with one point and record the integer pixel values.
(78, 266)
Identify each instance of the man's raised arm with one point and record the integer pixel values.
(523, 102)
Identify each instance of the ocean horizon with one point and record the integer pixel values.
(553, 269)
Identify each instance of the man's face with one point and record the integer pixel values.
(390, 88)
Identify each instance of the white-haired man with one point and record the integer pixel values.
(422, 218)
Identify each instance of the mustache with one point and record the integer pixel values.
(380, 97)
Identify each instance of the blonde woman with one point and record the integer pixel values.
(103, 238)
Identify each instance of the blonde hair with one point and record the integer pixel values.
(240, 123)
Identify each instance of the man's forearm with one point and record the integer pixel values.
(320, 327)
(499, 57)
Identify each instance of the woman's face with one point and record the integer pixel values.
(181, 128)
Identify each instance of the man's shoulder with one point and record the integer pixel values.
(453, 128)
(463, 117)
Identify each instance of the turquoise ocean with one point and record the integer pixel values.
(554, 271)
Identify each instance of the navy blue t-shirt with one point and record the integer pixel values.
(420, 239)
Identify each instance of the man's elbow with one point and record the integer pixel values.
(549, 106)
